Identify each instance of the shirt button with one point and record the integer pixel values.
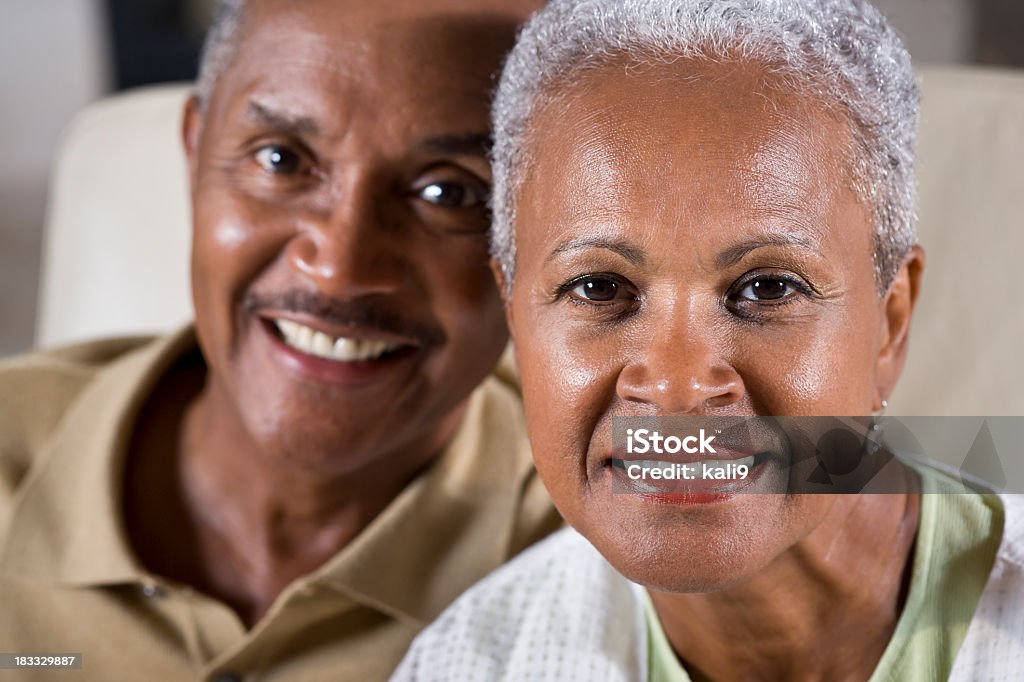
(227, 676)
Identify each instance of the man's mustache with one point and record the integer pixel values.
(359, 313)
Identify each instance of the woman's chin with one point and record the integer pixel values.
(695, 548)
(707, 578)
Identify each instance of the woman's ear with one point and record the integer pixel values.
(191, 129)
(499, 278)
(898, 306)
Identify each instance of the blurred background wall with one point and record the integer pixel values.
(58, 55)
(54, 61)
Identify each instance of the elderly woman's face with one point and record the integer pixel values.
(688, 246)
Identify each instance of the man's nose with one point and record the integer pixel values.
(349, 248)
(682, 368)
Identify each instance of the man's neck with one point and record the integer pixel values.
(233, 520)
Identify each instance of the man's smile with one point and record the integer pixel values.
(341, 355)
(340, 349)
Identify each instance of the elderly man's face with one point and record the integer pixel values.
(339, 179)
(689, 246)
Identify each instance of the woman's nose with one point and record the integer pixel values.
(682, 368)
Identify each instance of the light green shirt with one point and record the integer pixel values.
(956, 545)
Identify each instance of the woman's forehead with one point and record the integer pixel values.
(661, 147)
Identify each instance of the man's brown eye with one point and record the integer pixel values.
(600, 289)
(450, 195)
(278, 159)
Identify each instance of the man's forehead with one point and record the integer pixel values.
(292, 122)
(398, 44)
(314, 60)
(355, 16)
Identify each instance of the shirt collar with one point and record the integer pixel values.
(451, 526)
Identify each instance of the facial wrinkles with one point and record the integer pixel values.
(595, 170)
(776, 187)
(759, 183)
(786, 170)
(246, 218)
(619, 168)
(771, 161)
(396, 49)
(786, 189)
(275, 93)
(694, 180)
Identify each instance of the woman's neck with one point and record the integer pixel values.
(824, 609)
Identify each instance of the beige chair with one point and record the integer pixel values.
(967, 344)
(116, 248)
(116, 257)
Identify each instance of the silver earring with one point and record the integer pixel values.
(873, 442)
(878, 413)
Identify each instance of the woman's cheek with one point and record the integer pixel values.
(564, 386)
(806, 376)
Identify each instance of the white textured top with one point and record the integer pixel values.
(560, 612)
(557, 612)
(994, 647)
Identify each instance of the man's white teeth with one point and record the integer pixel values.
(311, 342)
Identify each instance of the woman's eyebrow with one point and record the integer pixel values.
(628, 251)
(734, 254)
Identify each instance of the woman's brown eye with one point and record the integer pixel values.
(597, 289)
(767, 289)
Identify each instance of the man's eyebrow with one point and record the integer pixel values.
(470, 144)
(628, 251)
(281, 122)
(734, 254)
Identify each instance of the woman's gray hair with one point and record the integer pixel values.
(841, 52)
(220, 46)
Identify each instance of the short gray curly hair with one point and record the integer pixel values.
(220, 46)
(842, 52)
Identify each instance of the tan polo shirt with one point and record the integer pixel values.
(70, 583)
